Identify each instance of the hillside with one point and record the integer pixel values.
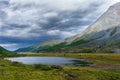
(4, 52)
(102, 36)
(38, 47)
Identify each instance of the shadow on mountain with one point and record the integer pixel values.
(106, 41)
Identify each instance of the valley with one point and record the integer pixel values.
(103, 36)
(105, 67)
(93, 54)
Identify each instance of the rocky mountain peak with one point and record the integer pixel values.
(115, 6)
(110, 19)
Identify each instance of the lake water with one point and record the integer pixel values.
(48, 60)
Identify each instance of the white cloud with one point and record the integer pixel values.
(51, 14)
(65, 34)
(19, 17)
(62, 34)
(25, 19)
(9, 46)
(33, 12)
(24, 33)
(53, 32)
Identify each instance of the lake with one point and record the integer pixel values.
(49, 61)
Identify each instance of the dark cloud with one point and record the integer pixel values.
(2, 15)
(24, 23)
(74, 18)
(4, 3)
(20, 43)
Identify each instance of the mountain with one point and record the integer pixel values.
(38, 47)
(102, 36)
(4, 52)
(105, 32)
(106, 28)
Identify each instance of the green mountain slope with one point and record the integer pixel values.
(4, 52)
(102, 36)
(39, 47)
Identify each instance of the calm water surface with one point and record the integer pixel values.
(48, 60)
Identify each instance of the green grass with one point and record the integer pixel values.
(6, 53)
(76, 43)
(107, 67)
(93, 57)
(60, 46)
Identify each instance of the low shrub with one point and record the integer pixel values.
(18, 64)
(47, 67)
(42, 67)
(57, 67)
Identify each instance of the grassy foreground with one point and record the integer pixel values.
(106, 67)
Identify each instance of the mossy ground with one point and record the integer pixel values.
(106, 67)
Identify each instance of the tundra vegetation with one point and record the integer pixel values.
(105, 67)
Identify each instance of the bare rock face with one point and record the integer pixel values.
(105, 29)
(103, 35)
(109, 20)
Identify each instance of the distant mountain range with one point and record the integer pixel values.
(4, 52)
(38, 47)
(101, 36)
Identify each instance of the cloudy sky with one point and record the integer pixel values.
(27, 22)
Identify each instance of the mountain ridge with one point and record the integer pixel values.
(39, 46)
(102, 35)
(4, 52)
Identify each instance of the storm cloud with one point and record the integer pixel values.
(24, 23)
